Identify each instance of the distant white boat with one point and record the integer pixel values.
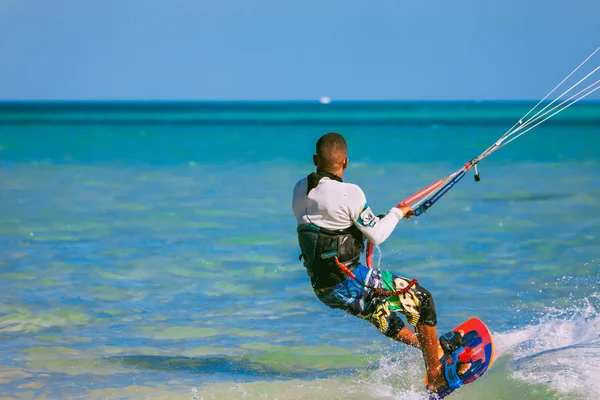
(325, 100)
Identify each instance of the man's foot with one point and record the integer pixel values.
(438, 383)
(462, 368)
(451, 341)
(450, 345)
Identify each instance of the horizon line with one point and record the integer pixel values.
(315, 101)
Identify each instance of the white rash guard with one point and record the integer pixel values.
(339, 205)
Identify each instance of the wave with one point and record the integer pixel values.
(561, 351)
(556, 357)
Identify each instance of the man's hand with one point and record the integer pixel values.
(406, 210)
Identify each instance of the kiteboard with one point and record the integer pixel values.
(468, 353)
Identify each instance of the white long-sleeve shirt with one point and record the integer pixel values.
(339, 205)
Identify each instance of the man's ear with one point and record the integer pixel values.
(315, 160)
(345, 163)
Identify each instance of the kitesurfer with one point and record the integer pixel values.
(334, 220)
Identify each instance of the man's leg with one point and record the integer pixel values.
(429, 344)
(419, 308)
(425, 339)
(359, 300)
(408, 336)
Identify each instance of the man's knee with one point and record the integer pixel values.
(428, 314)
(395, 325)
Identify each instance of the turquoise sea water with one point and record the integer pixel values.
(148, 250)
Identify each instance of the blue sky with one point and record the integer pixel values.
(292, 50)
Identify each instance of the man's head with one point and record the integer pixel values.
(331, 154)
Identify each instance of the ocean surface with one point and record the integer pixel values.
(148, 250)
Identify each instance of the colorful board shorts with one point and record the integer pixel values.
(359, 297)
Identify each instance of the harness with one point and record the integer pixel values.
(323, 249)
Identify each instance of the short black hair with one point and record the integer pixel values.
(329, 143)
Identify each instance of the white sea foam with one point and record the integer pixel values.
(561, 351)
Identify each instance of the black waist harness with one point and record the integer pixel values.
(321, 246)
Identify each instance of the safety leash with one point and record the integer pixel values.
(379, 291)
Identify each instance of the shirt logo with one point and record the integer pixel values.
(366, 217)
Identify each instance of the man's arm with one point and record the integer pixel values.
(375, 229)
